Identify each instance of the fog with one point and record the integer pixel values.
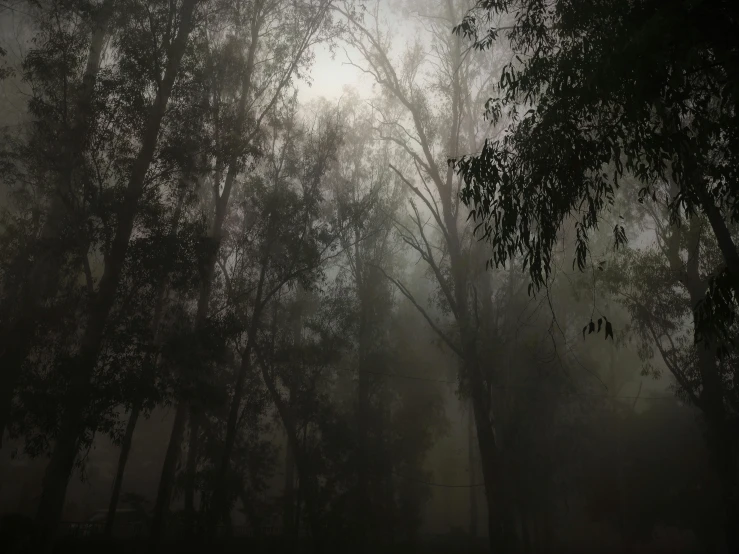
(338, 276)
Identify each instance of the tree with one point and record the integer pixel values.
(597, 92)
(661, 286)
(366, 198)
(428, 121)
(246, 82)
(285, 234)
(75, 418)
(64, 67)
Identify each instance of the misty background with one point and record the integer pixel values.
(244, 304)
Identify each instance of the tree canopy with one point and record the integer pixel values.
(596, 92)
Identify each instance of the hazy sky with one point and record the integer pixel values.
(330, 74)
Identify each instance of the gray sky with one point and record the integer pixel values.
(330, 74)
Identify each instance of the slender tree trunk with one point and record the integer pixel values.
(299, 500)
(219, 490)
(288, 510)
(473, 472)
(122, 459)
(306, 479)
(75, 418)
(498, 531)
(167, 479)
(191, 472)
(218, 510)
(363, 469)
(289, 513)
(364, 284)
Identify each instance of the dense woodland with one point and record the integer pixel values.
(482, 301)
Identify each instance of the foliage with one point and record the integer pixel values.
(597, 92)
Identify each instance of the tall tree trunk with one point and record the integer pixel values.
(122, 459)
(190, 473)
(43, 278)
(363, 501)
(288, 509)
(722, 439)
(218, 510)
(75, 418)
(307, 484)
(167, 479)
(289, 512)
(473, 471)
(306, 479)
(498, 532)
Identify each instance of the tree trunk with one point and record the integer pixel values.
(725, 454)
(722, 440)
(218, 507)
(473, 472)
(190, 473)
(722, 234)
(167, 479)
(363, 501)
(75, 419)
(497, 532)
(306, 480)
(288, 510)
(122, 459)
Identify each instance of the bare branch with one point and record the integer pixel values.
(405, 292)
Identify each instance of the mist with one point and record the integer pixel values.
(364, 276)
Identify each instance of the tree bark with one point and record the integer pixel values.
(74, 419)
(363, 404)
(191, 472)
(288, 510)
(306, 479)
(167, 479)
(473, 472)
(723, 236)
(122, 459)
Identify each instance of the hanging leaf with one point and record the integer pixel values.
(591, 327)
(583, 331)
(609, 330)
(600, 322)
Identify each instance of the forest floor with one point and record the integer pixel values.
(435, 545)
(267, 546)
